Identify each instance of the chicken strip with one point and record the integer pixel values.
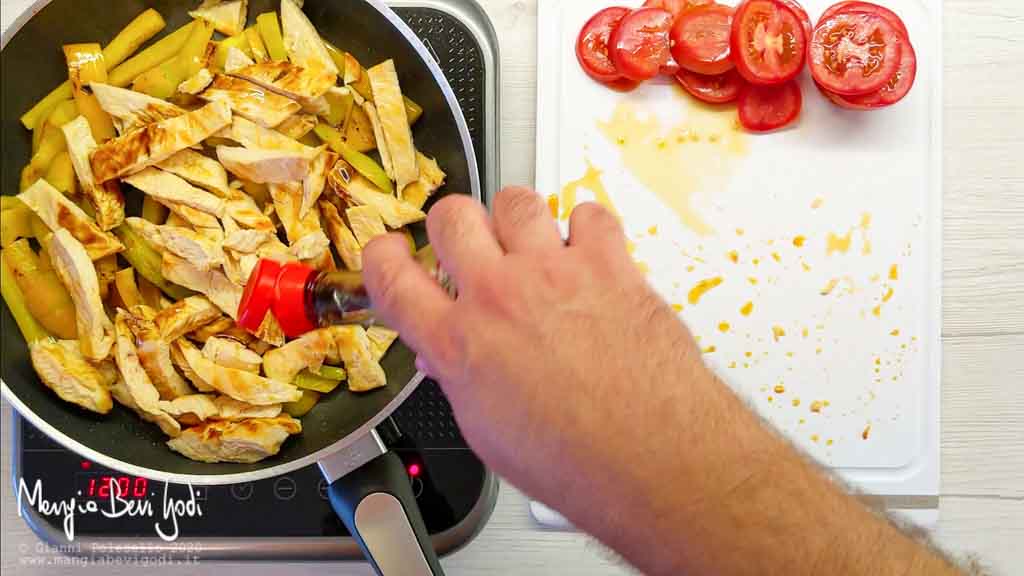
(250, 101)
(316, 180)
(230, 409)
(198, 170)
(143, 393)
(311, 246)
(155, 355)
(179, 360)
(166, 187)
(287, 200)
(266, 166)
(302, 41)
(361, 192)
(227, 16)
(345, 242)
(242, 209)
(74, 268)
(239, 384)
(157, 142)
(192, 409)
(366, 223)
(270, 331)
(232, 354)
(236, 60)
(394, 123)
(247, 241)
(106, 200)
(185, 316)
(252, 135)
(214, 284)
(197, 83)
(297, 126)
(245, 442)
(131, 110)
(193, 246)
(149, 231)
(381, 339)
(61, 366)
(59, 213)
(308, 351)
(356, 351)
(431, 179)
(295, 82)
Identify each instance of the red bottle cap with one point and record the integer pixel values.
(259, 295)
(289, 304)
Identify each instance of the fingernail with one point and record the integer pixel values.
(421, 365)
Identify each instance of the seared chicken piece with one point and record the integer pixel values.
(130, 110)
(74, 268)
(185, 216)
(227, 16)
(192, 409)
(166, 187)
(242, 209)
(143, 393)
(356, 351)
(196, 84)
(309, 351)
(59, 213)
(238, 267)
(265, 166)
(199, 170)
(119, 392)
(287, 200)
(107, 369)
(219, 326)
(64, 370)
(243, 442)
(355, 188)
(149, 231)
(394, 123)
(155, 355)
(366, 223)
(297, 126)
(302, 41)
(378, 135)
(157, 142)
(311, 246)
(230, 409)
(381, 340)
(178, 358)
(431, 178)
(252, 135)
(185, 316)
(213, 283)
(247, 241)
(313, 185)
(107, 200)
(291, 81)
(236, 60)
(249, 100)
(232, 354)
(345, 242)
(194, 247)
(270, 331)
(239, 384)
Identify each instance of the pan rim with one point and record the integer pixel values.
(341, 444)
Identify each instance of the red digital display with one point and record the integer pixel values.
(123, 487)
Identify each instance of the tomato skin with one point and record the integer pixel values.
(757, 22)
(716, 89)
(676, 7)
(639, 46)
(800, 13)
(768, 108)
(892, 92)
(701, 39)
(858, 6)
(592, 44)
(837, 53)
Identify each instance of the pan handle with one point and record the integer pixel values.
(370, 492)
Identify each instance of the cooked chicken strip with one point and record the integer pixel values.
(243, 442)
(294, 82)
(265, 166)
(192, 409)
(366, 223)
(297, 126)
(247, 241)
(242, 209)
(106, 369)
(232, 354)
(378, 135)
(182, 215)
(185, 316)
(252, 135)
(106, 200)
(230, 409)
(141, 388)
(381, 340)
(236, 60)
(157, 142)
(431, 178)
(227, 16)
(360, 191)
(356, 350)
(249, 100)
(64, 370)
(270, 331)
(166, 187)
(394, 123)
(149, 231)
(287, 199)
(311, 246)
(239, 384)
(194, 247)
(155, 356)
(344, 241)
(213, 283)
(119, 392)
(199, 170)
(179, 360)
(235, 269)
(308, 351)
(59, 213)
(131, 110)
(74, 268)
(302, 41)
(313, 185)
(197, 83)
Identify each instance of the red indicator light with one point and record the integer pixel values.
(414, 470)
(86, 464)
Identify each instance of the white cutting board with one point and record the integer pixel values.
(868, 352)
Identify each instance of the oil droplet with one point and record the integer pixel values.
(756, 261)
(866, 433)
(702, 288)
(816, 406)
(888, 294)
(630, 247)
(799, 241)
(752, 280)
(748, 354)
(723, 327)
(817, 351)
(830, 287)
(789, 354)
(591, 180)
(643, 267)
(796, 402)
(877, 311)
(803, 421)
(740, 232)
(778, 332)
(677, 307)
(710, 349)
(673, 169)
(804, 332)
(776, 257)
(553, 205)
(875, 278)
(653, 230)
(691, 268)
(732, 364)
(818, 202)
(805, 266)
(815, 438)
(828, 442)
(895, 332)
(734, 256)
(894, 272)
(780, 389)
(747, 309)
(839, 244)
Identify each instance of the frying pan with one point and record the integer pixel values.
(368, 485)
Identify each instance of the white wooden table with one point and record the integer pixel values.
(982, 503)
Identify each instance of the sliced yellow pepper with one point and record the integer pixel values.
(30, 328)
(241, 42)
(160, 52)
(301, 407)
(270, 31)
(61, 174)
(340, 107)
(85, 65)
(15, 224)
(147, 262)
(163, 81)
(45, 295)
(153, 211)
(309, 381)
(361, 162)
(259, 51)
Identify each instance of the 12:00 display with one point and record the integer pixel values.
(120, 486)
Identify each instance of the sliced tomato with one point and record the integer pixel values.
(716, 89)
(768, 42)
(857, 6)
(805, 19)
(639, 46)
(676, 7)
(767, 108)
(892, 92)
(700, 39)
(854, 53)
(592, 44)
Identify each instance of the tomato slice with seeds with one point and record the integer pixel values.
(768, 42)
(676, 7)
(857, 6)
(700, 39)
(592, 44)
(800, 13)
(714, 89)
(892, 92)
(639, 46)
(767, 108)
(854, 53)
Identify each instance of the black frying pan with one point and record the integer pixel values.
(369, 488)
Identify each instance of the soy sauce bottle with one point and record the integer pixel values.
(303, 299)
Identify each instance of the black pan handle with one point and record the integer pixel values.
(376, 503)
